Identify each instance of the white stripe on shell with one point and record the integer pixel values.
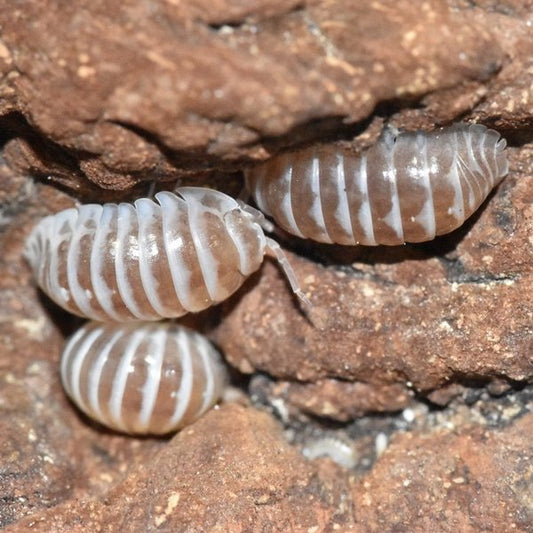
(206, 260)
(118, 386)
(184, 390)
(126, 242)
(207, 356)
(95, 374)
(286, 200)
(458, 207)
(102, 291)
(365, 212)
(174, 243)
(148, 214)
(315, 211)
(394, 217)
(79, 358)
(154, 363)
(342, 215)
(426, 217)
(66, 357)
(82, 297)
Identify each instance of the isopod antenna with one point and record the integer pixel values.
(273, 247)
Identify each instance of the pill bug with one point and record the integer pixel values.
(339, 450)
(142, 378)
(150, 260)
(408, 187)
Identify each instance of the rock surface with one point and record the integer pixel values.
(481, 482)
(96, 99)
(233, 471)
(146, 90)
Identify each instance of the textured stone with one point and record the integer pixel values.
(331, 398)
(155, 90)
(481, 483)
(232, 471)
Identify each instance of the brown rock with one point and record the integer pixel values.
(146, 90)
(231, 471)
(478, 480)
(97, 95)
(511, 93)
(331, 398)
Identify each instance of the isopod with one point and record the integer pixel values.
(408, 187)
(147, 261)
(142, 378)
(338, 450)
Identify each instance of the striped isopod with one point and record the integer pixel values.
(408, 187)
(143, 378)
(148, 261)
(339, 450)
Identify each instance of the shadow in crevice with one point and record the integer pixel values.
(47, 161)
(64, 321)
(251, 18)
(14, 125)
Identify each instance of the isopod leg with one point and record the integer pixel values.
(283, 262)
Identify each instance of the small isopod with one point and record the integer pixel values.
(143, 378)
(147, 261)
(408, 187)
(341, 451)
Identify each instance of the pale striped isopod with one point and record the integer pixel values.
(150, 260)
(143, 378)
(339, 450)
(408, 187)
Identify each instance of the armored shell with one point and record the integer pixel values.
(408, 187)
(143, 378)
(147, 261)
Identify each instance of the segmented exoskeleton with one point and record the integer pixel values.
(150, 260)
(142, 378)
(408, 187)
